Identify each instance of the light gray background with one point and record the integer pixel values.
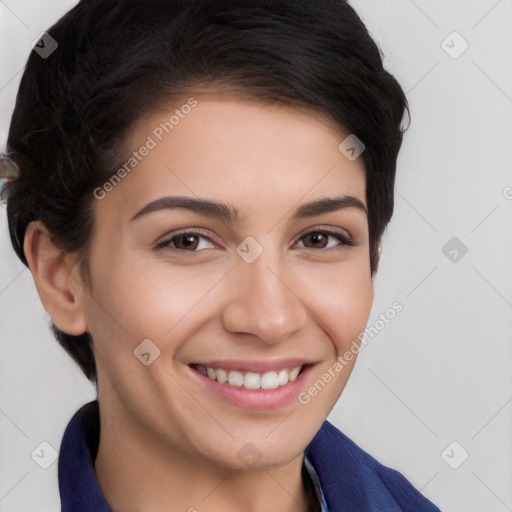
(440, 371)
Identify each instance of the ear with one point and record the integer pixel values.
(57, 279)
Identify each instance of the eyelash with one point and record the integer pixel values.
(345, 241)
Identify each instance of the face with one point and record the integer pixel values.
(238, 271)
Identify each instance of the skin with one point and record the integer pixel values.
(161, 431)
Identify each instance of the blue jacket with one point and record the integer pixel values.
(351, 480)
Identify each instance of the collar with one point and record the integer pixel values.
(78, 486)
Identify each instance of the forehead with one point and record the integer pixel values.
(236, 151)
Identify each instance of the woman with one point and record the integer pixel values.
(200, 189)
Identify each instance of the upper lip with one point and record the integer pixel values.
(253, 366)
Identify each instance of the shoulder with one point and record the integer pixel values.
(351, 478)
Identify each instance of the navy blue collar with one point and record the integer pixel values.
(350, 478)
(78, 486)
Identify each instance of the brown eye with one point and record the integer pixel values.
(316, 239)
(186, 242)
(320, 239)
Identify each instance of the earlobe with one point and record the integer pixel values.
(56, 276)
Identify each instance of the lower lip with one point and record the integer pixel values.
(256, 399)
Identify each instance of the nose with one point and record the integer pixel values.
(265, 301)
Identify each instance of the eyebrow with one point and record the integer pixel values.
(231, 215)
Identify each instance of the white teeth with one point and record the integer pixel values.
(269, 380)
(222, 376)
(294, 373)
(282, 379)
(235, 378)
(251, 380)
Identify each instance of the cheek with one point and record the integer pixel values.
(154, 300)
(344, 304)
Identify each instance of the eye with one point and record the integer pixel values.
(185, 241)
(320, 237)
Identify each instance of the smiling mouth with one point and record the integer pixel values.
(251, 380)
